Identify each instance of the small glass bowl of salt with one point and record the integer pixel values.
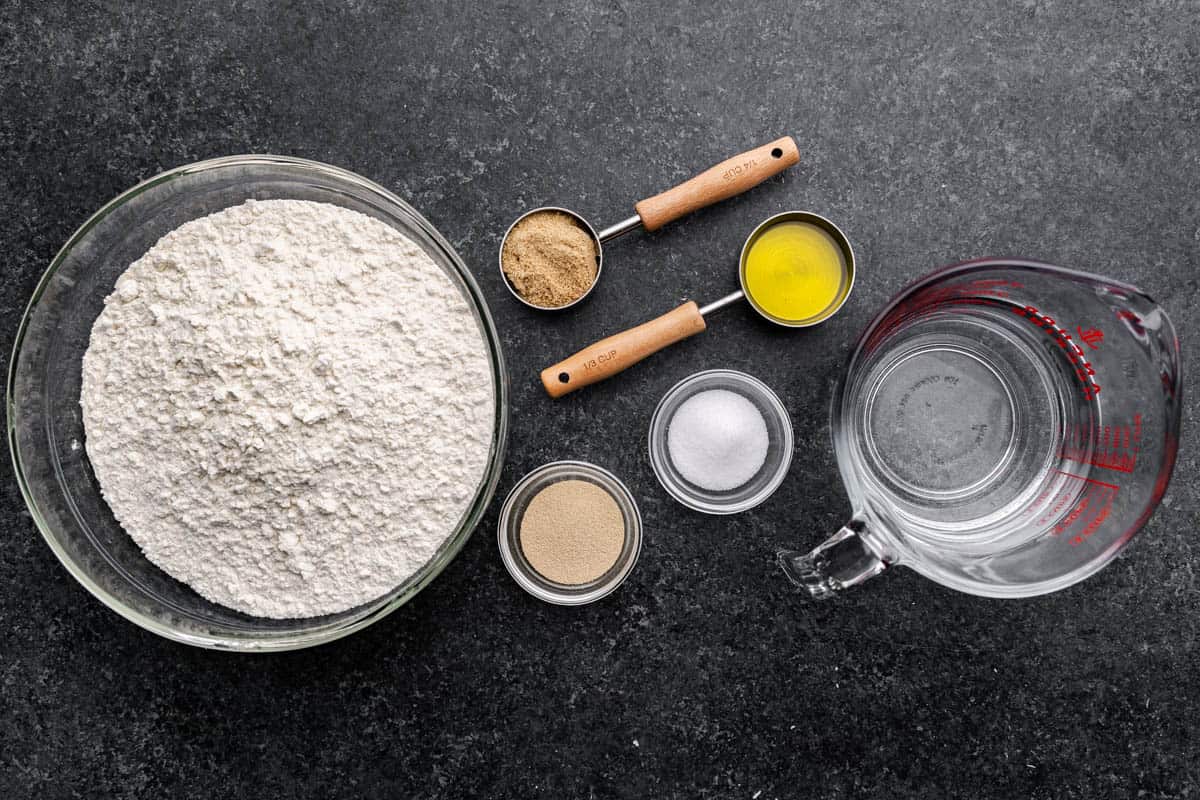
(720, 441)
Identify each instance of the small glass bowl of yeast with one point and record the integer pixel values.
(598, 582)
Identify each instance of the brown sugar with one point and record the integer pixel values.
(550, 258)
(572, 532)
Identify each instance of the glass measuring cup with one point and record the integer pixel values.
(1003, 428)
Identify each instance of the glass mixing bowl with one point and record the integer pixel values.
(45, 426)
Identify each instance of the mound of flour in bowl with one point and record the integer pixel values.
(288, 406)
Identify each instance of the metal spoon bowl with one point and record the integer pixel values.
(839, 299)
(583, 223)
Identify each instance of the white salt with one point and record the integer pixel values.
(718, 440)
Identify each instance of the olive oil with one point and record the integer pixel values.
(795, 271)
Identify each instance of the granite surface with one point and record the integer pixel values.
(932, 132)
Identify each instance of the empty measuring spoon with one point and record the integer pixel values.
(814, 256)
(727, 179)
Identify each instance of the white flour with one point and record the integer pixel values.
(288, 406)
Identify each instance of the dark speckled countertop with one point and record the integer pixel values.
(931, 132)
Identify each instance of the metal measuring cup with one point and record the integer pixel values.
(720, 182)
(620, 351)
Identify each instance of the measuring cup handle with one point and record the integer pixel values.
(843, 560)
(620, 351)
(731, 177)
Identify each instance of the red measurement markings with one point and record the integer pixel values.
(1114, 447)
(1089, 502)
(1084, 370)
(1055, 502)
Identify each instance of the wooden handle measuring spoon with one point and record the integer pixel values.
(731, 177)
(622, 350)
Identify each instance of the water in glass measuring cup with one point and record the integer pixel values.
(1003, 428)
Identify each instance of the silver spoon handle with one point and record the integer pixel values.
(622, 227)
(716, 305)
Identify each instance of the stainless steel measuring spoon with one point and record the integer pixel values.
(620, 351)
(720, 182)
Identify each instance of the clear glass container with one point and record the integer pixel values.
(1004, 428)
(45, 428)
(779, 443)
(509, 528)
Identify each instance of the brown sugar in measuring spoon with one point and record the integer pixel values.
(720, 182)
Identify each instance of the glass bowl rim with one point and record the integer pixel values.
(658, 458)
(454, 542)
